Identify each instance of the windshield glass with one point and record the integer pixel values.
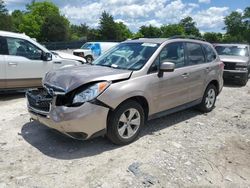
(87, 46)
(130, 56)
(232, 50)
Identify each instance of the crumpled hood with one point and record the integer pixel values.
(71, 78)
(69, 56)
(235, 59)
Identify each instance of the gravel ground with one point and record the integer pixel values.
(185, 149)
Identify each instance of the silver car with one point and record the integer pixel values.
(135, 81)
(236, 58)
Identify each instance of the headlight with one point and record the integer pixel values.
(90, 93)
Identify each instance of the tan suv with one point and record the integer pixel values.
(135, 81)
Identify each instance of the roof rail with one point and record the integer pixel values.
(186, 37)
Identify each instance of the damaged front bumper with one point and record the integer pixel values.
(83, 122)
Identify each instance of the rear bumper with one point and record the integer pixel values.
(234, 74)
(78, 122)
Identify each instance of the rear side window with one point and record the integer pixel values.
(195, 54)
(3, 46)
(210, 54)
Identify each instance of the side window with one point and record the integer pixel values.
(195, 54)
(173, 52)
(210, 54)
(3, 46)
(20, 47)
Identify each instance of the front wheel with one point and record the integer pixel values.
(125, 123)
(209, 99)
(244, 80)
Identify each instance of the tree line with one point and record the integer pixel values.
(43, 21)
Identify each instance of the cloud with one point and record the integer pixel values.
(8, 2)
(135, 13)
(212, 18)
(204, 1)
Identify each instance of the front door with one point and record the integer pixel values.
(24, 65)
(170, 90)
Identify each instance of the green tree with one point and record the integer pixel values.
(35, 16)
(150, 31)
(213, 37)
(79, 31)
(246, 21)
(94, 34)
(237, 29)
(5, 18)
(17, 19)
(107, 28)
(55, 28)
(171, 30)
(138, 35)
(190, 26)
(123, 31)
(234, 24)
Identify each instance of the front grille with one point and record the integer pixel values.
(229, 66)
(39, 100)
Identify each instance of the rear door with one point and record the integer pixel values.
(199, 67)
(24, 65)
(3, 52)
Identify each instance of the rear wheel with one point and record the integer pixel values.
(125, 123)
(209, 99)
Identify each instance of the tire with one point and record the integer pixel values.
(209, 99)
(89, 59)
(244, 80)
(121, 130)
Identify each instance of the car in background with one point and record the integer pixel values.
(92, 50)
(135, 81)
(24, 62)
(236, 58)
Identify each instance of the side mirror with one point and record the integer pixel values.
(166, 67)
(47, 56)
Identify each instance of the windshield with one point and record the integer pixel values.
(130, 56)
(87, 46)
(232, 50)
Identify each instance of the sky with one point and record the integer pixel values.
(208, 14)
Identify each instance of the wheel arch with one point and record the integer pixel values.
(139, 99)
(216, 84)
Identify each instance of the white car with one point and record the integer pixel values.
(24, 62)
(92, 50)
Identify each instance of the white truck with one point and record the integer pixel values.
(24, 62)
(92, 50)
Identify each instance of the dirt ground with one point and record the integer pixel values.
(185, 149)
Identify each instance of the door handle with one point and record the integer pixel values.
(185, 75)
(12, 64)
(57, 62)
